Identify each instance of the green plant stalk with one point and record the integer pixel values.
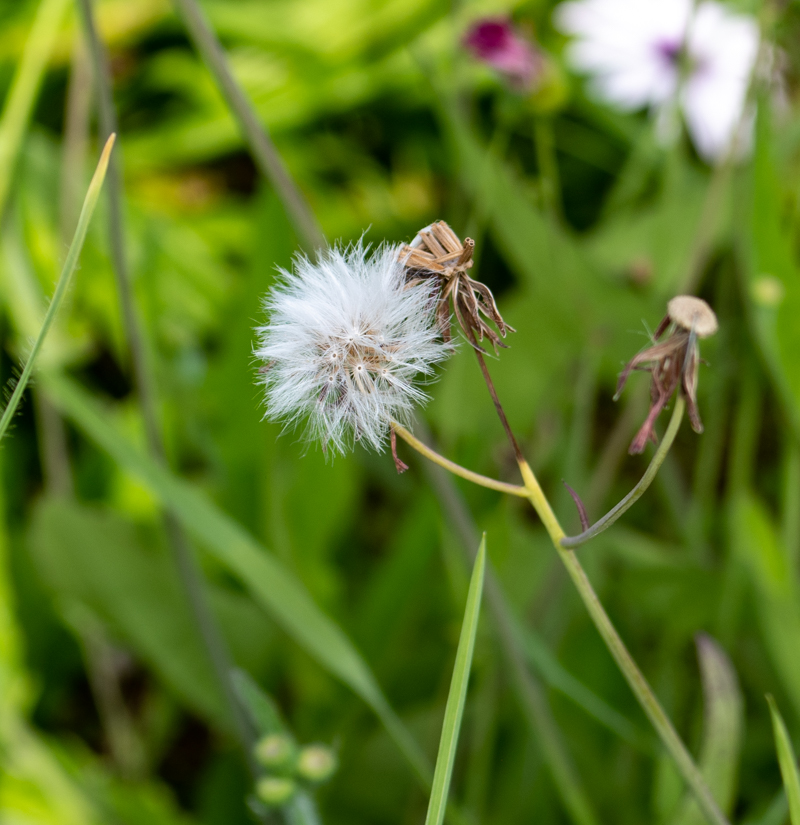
(187, 566)
(616, 646)
(264, 152)
(638, 491)
(641, 689)
(454, 710)
(70, 263)
(608, 633)
(457, 469)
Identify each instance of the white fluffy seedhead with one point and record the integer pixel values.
(345, 342)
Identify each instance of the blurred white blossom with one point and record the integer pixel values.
(666, 54)
(346, 341)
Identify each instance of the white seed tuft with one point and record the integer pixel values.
(345, 345)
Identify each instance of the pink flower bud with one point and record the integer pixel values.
(497, 43)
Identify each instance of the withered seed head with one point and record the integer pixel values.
(690, 312)
(437, 252)
(673, 363)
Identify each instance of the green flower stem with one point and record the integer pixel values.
(641, 689)
(635, 678)
(636, 493)
(457, 469)
(63, 282)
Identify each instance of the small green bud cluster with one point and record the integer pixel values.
(289, 767)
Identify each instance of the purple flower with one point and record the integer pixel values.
(497, 43)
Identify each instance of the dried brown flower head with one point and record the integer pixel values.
(437, 252)
(672, 363)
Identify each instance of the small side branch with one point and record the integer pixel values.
(457, 469)
(636, 493)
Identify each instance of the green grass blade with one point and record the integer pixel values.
(512, 637)
(25, 87)
(271, 584)
(723, 724)
(454, 710)
(788, 762)
(61, 287)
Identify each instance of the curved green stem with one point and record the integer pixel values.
(636, 493)
(457, 469)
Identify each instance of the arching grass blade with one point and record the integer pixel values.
(63, 282)
(788, 762)
(454, 710)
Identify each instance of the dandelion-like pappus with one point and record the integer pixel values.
(346, 344)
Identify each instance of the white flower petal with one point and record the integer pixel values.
(631, 48)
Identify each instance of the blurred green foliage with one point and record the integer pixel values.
(340, 586)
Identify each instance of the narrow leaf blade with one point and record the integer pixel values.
(454, 710)
(723, 722)
(787, 761)
(63, 281)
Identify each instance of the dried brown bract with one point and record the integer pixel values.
(437, 252)
(672, 363)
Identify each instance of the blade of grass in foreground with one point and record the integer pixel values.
(788, 762)
(454, 710)
(61, 287)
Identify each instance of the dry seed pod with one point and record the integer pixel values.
(693, 313)
(438, 253)
(673, 363)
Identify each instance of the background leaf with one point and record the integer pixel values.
(788, 762)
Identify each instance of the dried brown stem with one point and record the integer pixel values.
(497, 405)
